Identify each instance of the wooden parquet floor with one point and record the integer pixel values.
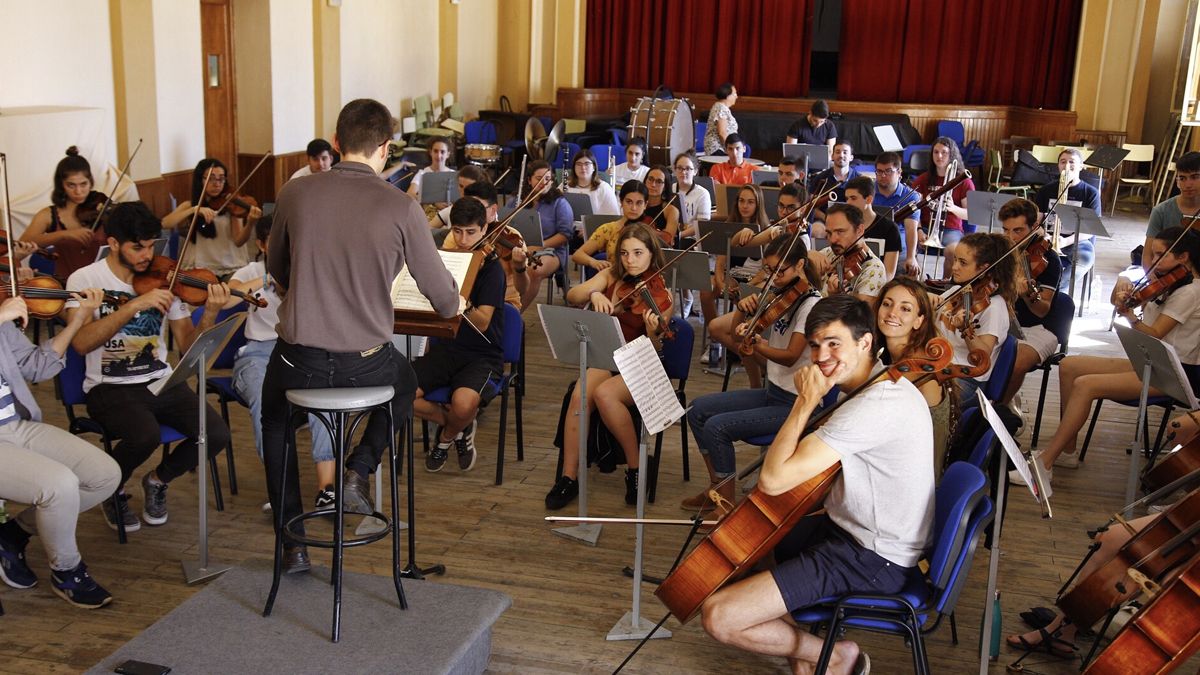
(566, 596)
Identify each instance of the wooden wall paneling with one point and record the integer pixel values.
(156, 193)
(285, 166)
(261, 185)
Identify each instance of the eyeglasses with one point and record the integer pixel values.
(655, 181)
(685, 169)
(887, 172)
(584, 162)
(772, 270)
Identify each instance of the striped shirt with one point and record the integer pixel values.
(8, 403)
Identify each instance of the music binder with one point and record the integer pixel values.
(413, 315)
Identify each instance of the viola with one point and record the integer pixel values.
(1162, 636)
(975, 299)
(45, 297)
(191, 286)
(646, 292)
(760, 521)
(1159, 287)
(1168, 541)
(772, 309)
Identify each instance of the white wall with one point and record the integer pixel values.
(179, 74)
(478, 47)
(389, 51)
(252, 63)
(56, 52)
(292, 87)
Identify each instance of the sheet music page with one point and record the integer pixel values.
(406, 295)
(648, 383)
(1010, 446)
(546, 330)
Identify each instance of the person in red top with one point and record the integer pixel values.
(944, 153)
(736, 171)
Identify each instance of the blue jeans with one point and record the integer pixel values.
(951, 236)
(249, 370)
(1087, 258)
(717, 420)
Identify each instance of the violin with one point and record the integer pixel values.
(847, 266)
(1035, 256)
(975, 298)
(1168, 541)
(772, 309)
(1162, 635)
(647, 292)
(495, 245)
(760, 521)
(45, 297)
(47, 253)
(190, 286)
(1159, 287)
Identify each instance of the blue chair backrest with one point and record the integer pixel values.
(71, 378)
(956, 579)
(514, 333)
(971, 417)
(481, 131)
(961, 488)
(701, 130)
(41, 264)
(565, 151)
(677, 353)
(173, 244)
(601, 150)
(952, 129)
(1001, 370)
(236, 341)
(1058, 319)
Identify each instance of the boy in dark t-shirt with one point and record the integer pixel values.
(471, 364)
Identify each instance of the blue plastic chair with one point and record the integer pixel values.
(962, 511)
(601, 151)
(982, 450)
(916, 158)
(1001, 370)
(566, 152)
(480, 131)
(701, 130)
(1165, 402)
(514, 357)
(222, 385)
(677, 361)
(68, 386)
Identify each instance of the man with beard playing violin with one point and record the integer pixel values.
(472, 363)
(877, 516)
(126, 349)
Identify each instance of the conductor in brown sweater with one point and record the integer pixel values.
(339, 240)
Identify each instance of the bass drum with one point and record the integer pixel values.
(667, 127)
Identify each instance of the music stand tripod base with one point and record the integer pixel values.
(588, 533)
(194, 573)
(628, 629)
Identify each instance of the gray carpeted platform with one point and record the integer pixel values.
(446, 628)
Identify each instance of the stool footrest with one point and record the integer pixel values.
(347, 542)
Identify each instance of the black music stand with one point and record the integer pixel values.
(690, 272)
(983, 206)
(1081, 221)
(439, 187)
(717, 239)
(413, 570)
(815, 157)
(1105, 158)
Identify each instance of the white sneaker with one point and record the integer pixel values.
(1016, 404)
(1068, 460)
(1014, 476)
(266, 508)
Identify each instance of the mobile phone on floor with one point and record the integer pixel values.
(142, 668)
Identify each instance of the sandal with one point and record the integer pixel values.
(1038, 617)
(1050, 644)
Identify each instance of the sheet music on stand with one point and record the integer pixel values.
(647, 380)
(406, 295)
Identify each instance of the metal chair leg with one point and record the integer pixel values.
(1087, 439)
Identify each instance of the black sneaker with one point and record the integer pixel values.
(564, 492)
(326, 499)
(79, 588)
(631, 486)
(465, 444)
(154, 500)
(120, 505)
(13, 568)
(436, 458)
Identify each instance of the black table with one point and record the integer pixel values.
(766, 131)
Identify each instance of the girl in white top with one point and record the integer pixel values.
(440, 150)
(585, 180)
(220, 242)
(632, 168)
(986, 330)
(695, 204)
(1173, 317)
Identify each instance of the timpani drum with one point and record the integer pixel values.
(666, 125)
(482, 154)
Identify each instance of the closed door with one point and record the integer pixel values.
(220, 100)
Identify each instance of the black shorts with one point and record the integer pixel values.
(819, 560)
(441, 367)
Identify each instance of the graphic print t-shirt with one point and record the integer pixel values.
(138, 351)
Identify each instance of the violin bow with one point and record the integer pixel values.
(183, 247)
(664, 210)
(113, 193)
(242, 184)
(811, 204)
(12, 262)
(491, 237)
(659, 272)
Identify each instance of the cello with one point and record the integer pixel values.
(759, 522)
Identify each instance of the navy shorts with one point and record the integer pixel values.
(819, 560)
(439, 367)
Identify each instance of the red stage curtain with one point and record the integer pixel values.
(761, 46)
(1016, 52)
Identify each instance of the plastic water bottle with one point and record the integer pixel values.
(995, 648)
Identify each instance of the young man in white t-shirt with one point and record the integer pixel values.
(878, 512)
(320, 158)
(125, 349)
